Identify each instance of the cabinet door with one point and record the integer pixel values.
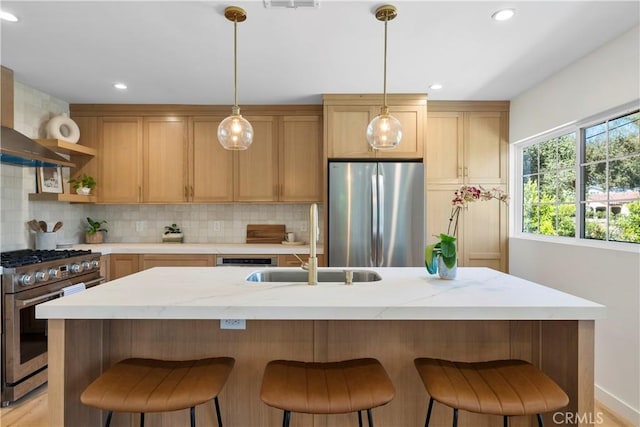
(444, 164)
(123, 264)
(177, 260)
(347, 131)
(485, 147)
(257, 168)
(165, 160)
(412, 119)
(485, 235)
(120, 160)
(300, 159)
(438, 201)
(211, 166)
(292, 261)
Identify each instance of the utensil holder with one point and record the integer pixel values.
(46, 240)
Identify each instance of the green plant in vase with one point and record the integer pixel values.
(445, 247)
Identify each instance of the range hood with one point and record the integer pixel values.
(17, 149)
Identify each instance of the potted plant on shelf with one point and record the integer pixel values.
(172, 234)
(83, 184)
(441, 257)
(95, 231)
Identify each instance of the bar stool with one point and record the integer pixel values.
(498, 387)
(326, 388)
(150, 385)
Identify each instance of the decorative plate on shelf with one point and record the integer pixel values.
(298, 243)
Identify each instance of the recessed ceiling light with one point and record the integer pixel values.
(504, 14)
(120, 86)
(435, 86)
(6, 16)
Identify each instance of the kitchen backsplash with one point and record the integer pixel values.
(220, 223)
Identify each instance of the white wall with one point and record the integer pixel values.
(606, 78)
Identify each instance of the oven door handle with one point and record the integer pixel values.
(37, 300)
(94, 282)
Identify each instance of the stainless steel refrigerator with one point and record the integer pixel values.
(376, 214)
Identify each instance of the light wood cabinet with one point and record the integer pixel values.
(256, 178)
(171, 154)
(120, 160)
(467, 143)
(482, 228)
(300, 159)
(468, 147)
(292, 261)
(165, 160)
(177, 260)
(347, 117)
(210, 165)
(121, 265)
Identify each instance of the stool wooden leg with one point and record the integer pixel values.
(426, 423)
(370, 417)
(141, 419)
(286, 418)
(192, 413)
(108, 422)
(540, 422)
(359, 418)
(215, 400)
(455, 417)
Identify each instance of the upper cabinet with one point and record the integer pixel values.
(469, 145)
(120, 159)
(171, 154)
(347, 117)
(300, 158)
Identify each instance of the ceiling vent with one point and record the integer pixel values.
(291, 4)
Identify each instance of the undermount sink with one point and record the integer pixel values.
(336, 276)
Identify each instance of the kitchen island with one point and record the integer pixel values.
(175, 312)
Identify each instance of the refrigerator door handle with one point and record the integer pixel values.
(373, 260)
(380, 248)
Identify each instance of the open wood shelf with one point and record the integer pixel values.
(57, 197)
(64, 147)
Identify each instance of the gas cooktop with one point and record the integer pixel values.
(23, 257)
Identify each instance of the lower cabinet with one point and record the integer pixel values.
(121, 265)
(292, 261)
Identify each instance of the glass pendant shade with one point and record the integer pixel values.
(235, 133)
(384, 131)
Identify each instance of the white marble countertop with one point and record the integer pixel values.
(404, 293)
(198, 248)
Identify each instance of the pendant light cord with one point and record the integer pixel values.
(235, 63)
(386, 19)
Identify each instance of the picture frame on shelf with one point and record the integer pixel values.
(50, 180)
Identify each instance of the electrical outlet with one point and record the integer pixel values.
(217, 226)
(233, 324)
(139, 226)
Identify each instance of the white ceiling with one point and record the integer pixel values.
(182, 52)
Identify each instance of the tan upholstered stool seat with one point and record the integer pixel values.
(326, 388)
(149, 385)
(501, 387)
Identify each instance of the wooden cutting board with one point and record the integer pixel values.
(265, 233)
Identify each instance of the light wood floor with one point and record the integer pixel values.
(31, 411)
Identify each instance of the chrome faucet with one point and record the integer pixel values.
(312, 263)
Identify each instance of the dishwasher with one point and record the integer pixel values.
(246, 261)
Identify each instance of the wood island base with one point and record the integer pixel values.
(79, 350)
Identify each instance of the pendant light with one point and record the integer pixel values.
(235, 132)
(385, 131)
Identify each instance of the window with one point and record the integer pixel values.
(610, 171)
(583, 181)
(549, 187)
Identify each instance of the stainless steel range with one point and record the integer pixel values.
(30, 277)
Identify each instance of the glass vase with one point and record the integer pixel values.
(445, 272)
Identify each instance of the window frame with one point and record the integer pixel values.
(516, 178)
